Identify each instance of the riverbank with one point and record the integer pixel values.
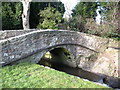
(29, 75)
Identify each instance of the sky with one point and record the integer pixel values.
(69, 5)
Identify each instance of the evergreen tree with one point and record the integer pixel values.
(11, 15)
(85, 9)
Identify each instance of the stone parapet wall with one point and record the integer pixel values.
(12, 33)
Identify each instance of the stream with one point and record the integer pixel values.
(86, 75)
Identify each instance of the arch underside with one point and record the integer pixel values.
(77, 52)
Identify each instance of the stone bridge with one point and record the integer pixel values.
(31, 45)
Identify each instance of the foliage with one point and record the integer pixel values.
(110, 12)
(11, 15)
(81, 12)
(29, 75)
(104, 30)
(85, 9)
(0, 8)
(50, 17)
(0, 15)
(37, 6)
(77, 23)
(12, 12)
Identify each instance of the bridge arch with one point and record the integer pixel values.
(57, 54)
(35, 44)
(75, 51)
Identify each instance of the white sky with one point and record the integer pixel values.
(69, 5)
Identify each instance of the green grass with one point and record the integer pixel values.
(29, 75)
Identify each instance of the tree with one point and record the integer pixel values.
(36, 7)
(77, 23)
(82, 12)
(11, 15)
(111, 14)
(110, 10)
(85, 9)
(17, 15)
(50, 17)
(0, 16)
(25, 14)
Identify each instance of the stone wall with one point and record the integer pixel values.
(86, 49)
(12, 33)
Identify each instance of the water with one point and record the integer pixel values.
(78, 72)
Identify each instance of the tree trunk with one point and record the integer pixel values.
(25, 14)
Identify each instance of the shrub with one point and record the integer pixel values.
(50, 18)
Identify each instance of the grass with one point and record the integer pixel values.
(29, 75)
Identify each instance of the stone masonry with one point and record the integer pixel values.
(89, 52)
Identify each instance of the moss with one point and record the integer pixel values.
(92, 56)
